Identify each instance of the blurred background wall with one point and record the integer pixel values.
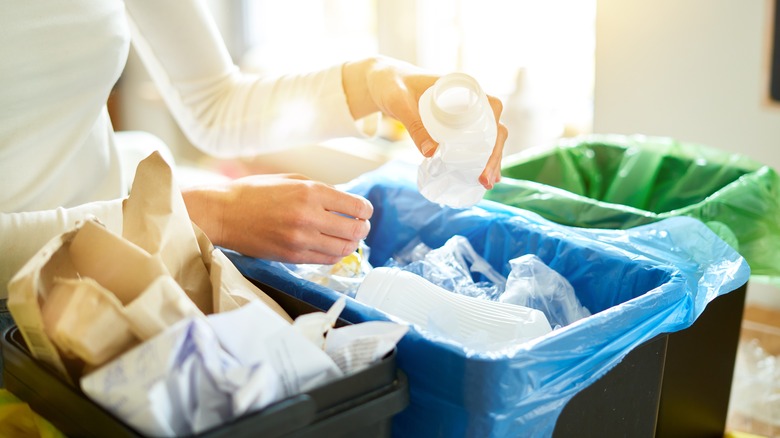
(695, 70)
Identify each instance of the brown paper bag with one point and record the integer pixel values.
(90, 294)
(155, 218)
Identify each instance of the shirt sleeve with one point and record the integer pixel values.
(24, 234)
(221, 110)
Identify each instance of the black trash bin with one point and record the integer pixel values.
(358, 405)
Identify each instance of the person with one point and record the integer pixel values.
(60, 159)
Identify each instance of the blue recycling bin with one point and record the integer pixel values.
(640, 284)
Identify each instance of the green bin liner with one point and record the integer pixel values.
(619, 182)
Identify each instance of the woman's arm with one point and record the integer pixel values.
(288, 218)
(221, 110)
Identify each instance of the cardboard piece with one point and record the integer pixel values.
(85, 320)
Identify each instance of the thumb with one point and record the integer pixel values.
(421, 138)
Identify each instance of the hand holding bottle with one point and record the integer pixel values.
(394, 88)
(457, 114)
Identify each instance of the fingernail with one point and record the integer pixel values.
(492, 179)
(428, 147)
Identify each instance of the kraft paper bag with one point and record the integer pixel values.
(90, 294)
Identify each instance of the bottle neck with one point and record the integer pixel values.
(456, 100)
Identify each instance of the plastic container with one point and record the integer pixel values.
(360, 404)
(639, 285)
(456, 113)
(469, 320)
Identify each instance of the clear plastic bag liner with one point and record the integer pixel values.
(638, 283)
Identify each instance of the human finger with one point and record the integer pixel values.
(397, 90)
(492, 172)
(347, 204)
(343, 227)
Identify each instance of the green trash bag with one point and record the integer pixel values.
(619, 182)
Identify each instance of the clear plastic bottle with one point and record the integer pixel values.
(456, 113)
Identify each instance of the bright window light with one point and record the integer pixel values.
(551, 41)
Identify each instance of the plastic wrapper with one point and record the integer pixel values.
(531, 283)
(619, 182)
(344, 276)
(638, 283)
(452, 267)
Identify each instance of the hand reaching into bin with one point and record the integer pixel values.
(394, 88)
(287, 217)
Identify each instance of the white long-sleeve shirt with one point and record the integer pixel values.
(58, 63)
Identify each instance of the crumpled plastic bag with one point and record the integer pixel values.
(450, 267)
(531, 283)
